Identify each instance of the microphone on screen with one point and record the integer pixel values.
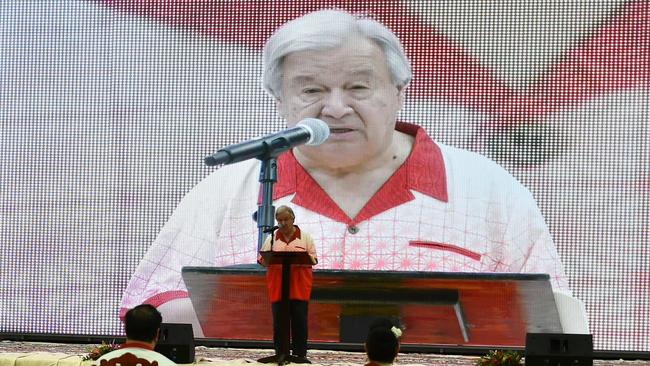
(309, 131)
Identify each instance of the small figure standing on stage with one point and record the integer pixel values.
(289, 238)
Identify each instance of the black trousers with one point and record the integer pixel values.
(298, 319)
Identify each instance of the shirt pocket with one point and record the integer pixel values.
(445, 247)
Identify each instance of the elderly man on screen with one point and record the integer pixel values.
(377, 195)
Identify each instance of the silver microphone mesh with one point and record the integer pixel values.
(318, 130)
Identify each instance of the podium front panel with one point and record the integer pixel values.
(470, 309)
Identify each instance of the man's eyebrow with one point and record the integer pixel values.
(300, 79)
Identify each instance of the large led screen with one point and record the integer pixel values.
(107, 109)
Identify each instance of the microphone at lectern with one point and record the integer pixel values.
(309, 131)
(271, 229)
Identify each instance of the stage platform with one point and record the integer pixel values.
(47, 354)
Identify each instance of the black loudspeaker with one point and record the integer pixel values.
(354, 328)
(176, 342)
(356, 320)
(552, 349)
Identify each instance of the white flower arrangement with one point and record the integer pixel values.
(396, 331)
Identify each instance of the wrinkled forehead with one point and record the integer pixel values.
(351, 44)
(356, 56)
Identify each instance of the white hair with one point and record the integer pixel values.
(327, 29)
(286, 209)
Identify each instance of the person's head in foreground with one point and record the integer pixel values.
(142, 324)
(348, 71)
(382, 343)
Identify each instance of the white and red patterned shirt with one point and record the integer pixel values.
(138, 350)
(444, 209)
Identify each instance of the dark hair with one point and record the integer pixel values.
(142, 323)
(382, 344)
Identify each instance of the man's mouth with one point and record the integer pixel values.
(340, 130)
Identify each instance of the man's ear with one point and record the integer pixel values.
(157, 337)
(279, 106)
(402, 96)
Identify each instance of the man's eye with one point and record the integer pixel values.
(311, 90)
(359, 87)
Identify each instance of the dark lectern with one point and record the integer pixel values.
(286, 259)
(436, 308)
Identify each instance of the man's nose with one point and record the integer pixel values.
(336, 105)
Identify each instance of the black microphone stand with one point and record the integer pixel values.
(266, 210)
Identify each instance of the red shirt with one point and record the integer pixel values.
(301, 275)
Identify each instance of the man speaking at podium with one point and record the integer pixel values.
(289, 238)
(377, 195)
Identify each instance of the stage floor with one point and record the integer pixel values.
(238, 356)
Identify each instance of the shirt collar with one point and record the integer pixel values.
(423, 171)
(136, 344)
(280, 236)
